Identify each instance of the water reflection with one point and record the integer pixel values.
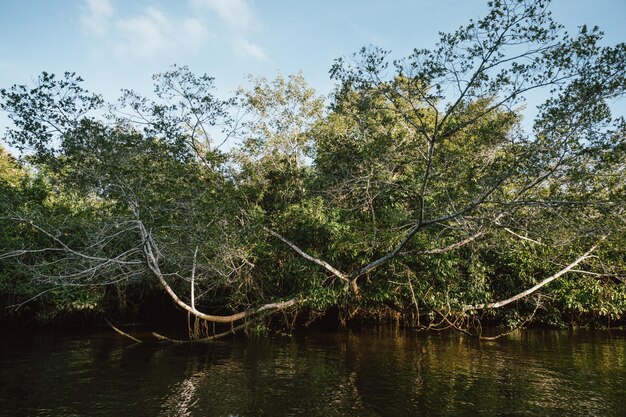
(375, 373)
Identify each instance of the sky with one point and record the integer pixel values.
(115, 44)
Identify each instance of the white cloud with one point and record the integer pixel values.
(96, 16)
(235, 13)
(245, 48)
(141, 35)
(193, 34)
(152, 32)
(147, 34)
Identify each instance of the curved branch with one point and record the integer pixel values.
(534, 288)
(149, 250)
(207, 339)
(121, 332)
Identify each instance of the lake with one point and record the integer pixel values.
(314, 373)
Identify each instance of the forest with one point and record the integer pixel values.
(432, 191)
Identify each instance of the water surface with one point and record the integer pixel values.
(368, 373)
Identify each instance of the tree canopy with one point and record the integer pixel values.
(421, 192)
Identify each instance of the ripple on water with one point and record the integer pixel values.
(317, 374)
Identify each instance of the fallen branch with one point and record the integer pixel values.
(204, 339)
(121, 332)
(167, 339)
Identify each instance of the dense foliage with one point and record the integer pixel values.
(419, 193)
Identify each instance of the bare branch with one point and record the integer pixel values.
(153, 264)
(453, 246)
(534, 288)
(67, 249)
(121, 332)
(523, 237)
(308, 257)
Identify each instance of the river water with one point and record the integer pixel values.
(366, 373)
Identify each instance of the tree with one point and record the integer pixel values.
(158, 191)
(421, 191)
(433, 144)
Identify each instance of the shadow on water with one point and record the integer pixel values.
(369, 373)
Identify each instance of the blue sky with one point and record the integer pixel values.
(116, 44)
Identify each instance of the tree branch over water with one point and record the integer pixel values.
(418, 193)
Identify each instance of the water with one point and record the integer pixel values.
(370, 373)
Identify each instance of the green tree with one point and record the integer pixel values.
(420, 191)
(433, 144)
